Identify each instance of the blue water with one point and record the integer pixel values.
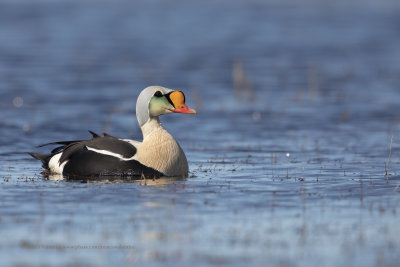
(297, 106)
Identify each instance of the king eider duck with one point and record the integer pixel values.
(159, 154)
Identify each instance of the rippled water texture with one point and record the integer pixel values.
(289, 154)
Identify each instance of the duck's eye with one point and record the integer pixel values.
(158, 94)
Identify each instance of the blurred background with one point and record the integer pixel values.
(294, 153)
(85, 60)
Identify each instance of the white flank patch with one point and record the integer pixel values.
(54, 165)
(109, 153)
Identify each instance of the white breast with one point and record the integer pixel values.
(160, 151)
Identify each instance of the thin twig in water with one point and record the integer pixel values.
(388, 165)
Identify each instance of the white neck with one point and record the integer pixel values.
(150, 126)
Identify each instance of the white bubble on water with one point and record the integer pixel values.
(287, 154)
(18, 101)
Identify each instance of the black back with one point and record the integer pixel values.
(107, 142)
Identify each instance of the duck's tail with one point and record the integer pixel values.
(44, 158)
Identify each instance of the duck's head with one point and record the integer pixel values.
(154, 101)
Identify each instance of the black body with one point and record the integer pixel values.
(82, 162)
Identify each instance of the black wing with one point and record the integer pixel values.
(107, 142)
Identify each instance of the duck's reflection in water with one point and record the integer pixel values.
(116, 179)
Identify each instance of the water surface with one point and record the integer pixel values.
(297, 104)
